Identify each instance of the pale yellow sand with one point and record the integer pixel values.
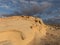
(22, 30)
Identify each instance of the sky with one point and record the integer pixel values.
(42, 8)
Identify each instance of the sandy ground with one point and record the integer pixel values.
(19, 32)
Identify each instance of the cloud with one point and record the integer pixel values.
(14, 1)
(27, 8)
(4, 6)
(45, 5)
(36, 7)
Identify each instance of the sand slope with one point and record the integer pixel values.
(27, 30)
(22, 30)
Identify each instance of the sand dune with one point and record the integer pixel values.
(27, 30)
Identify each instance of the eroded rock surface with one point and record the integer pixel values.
(27, 30)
